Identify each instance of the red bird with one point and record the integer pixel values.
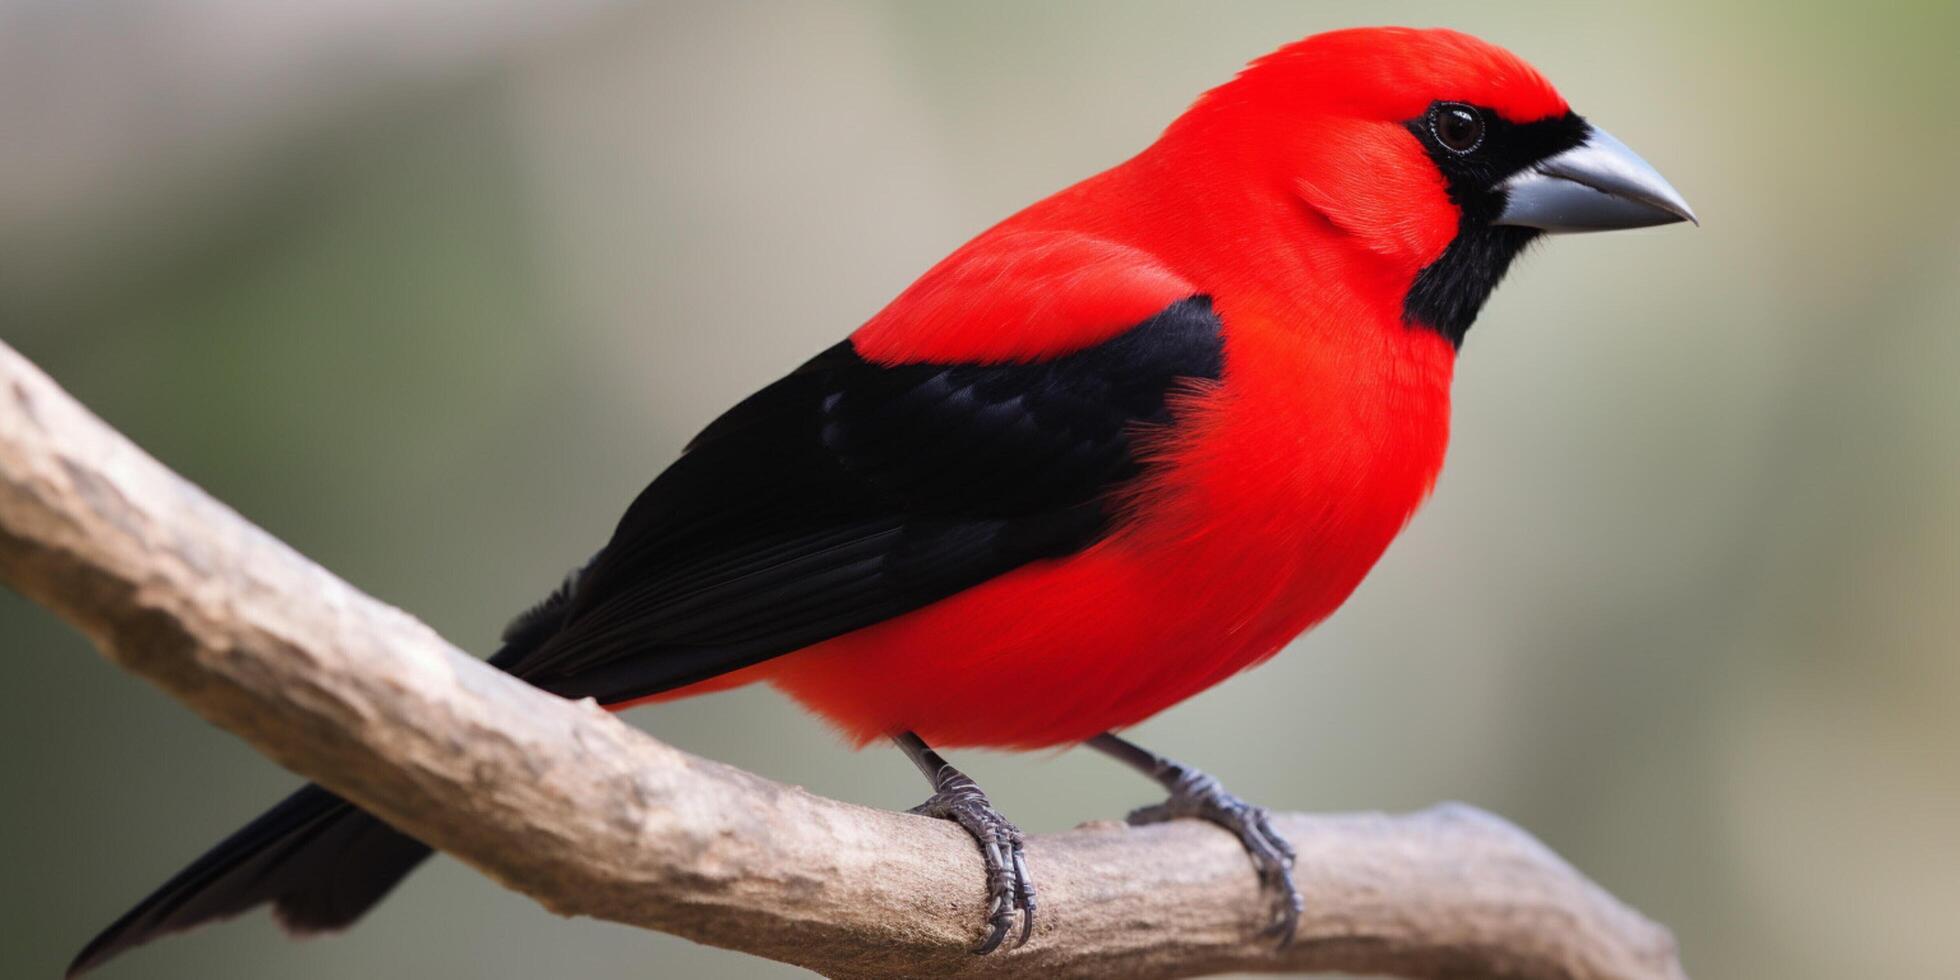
(1118, 448)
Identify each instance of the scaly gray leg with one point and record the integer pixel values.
(1194, 794)
(957, 798)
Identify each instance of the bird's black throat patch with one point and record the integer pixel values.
(1448, 293)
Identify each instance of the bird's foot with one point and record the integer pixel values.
(1195, 794)
(1010, 890)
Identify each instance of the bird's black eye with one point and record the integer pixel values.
(1457, 126)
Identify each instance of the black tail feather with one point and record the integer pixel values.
(320, 861)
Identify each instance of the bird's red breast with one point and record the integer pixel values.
(1294, 474)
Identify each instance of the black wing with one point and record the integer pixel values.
(841, 495)
(849, 493)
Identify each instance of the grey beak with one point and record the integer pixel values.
(1598, 185)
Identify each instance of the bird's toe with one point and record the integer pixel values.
(1195, 794)
(1010, 888)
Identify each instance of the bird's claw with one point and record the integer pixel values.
(1010, 890)
(1195, 794)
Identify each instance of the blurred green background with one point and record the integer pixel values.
(430, 288)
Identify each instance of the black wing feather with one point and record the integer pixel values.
(850, 492)
(843, 494)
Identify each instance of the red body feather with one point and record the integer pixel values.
(1295, 198)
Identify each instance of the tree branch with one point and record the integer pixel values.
(562, 802)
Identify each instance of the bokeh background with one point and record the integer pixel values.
(429, 288)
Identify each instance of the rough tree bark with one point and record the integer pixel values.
(562, 802)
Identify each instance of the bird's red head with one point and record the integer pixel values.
(1366, 174)
(1391, 74)
(1441, 153)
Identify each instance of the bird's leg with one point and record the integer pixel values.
(957, 798)
(1194, 794)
